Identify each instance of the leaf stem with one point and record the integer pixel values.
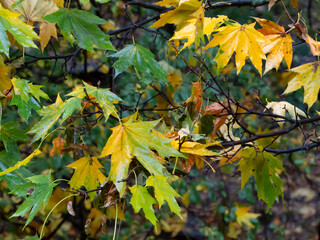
(44, 223)
(115, 224)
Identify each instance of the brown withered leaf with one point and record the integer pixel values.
(299, 30)
(58, 146)
(216, 109)
(196, 95)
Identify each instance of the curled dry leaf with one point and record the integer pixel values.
(70, 209)
(58, 146)
(280, 108)
(271, 3)
(314, 45)
(196, 95)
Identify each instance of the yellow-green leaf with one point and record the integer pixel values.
(135, 139)
(244, 216)
(22, 33)
(164, 192)
(308, 77)
(141, 198)
(87, 174)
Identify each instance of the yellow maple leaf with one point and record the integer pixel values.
(87, 174)
(195, 148)
(244, 216)
(47, 30)
(308, 77)
(184, 10)
(245, 40)
(5, 80)
(192, 31)
(280, 45)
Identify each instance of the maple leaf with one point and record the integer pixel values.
(5, 80)
(307, 75)
(314, 45)
(47, 30)
(262, 166)
(217, 109)
(141, 198)
(146, 67)
(135, 139)
(164, 192)
(42, 190)
(280, 45)
(244, 216)
(86, 174)
(50, 115)
(280, 108)
(244, 39)
(22, 33)
(184, 10)
(195, 148)
(32, 10)
(82, 25)
(102, 96)
(58, 146)
(193, 32)
(35, 10)
(25, 89)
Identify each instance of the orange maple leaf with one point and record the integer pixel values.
(280, 45)
(58, 146)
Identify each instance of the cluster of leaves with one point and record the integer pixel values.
(145, 155)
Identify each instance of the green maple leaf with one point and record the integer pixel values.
(70, 106)
(146, 67)
(42, 189)
(24, 108)
(82, 26)
(50, 115)
(22, 33)
(141, 198)
(164, 192)
(22, 97)
(262, 166)
(135, 139)
(103, 97)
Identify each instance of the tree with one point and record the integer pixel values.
(99, 124)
